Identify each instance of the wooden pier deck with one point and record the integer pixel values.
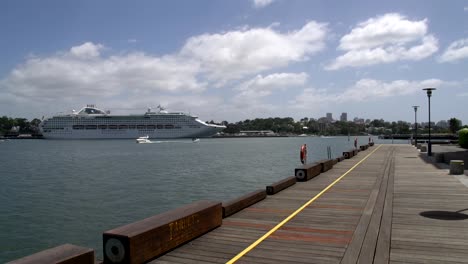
(386, 206)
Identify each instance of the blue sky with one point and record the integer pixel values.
(233, 60)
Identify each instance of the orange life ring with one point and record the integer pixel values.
(303, 154)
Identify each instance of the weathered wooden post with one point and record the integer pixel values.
(348, 154)
(63, 254)
(235, 205)
(144, 240)
(326, 164)
(307, 171)
(280, 185)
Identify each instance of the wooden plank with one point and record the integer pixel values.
(63, 254)
(382, 251)
(353, 250)
(235, 205)
(146, 239)
(369, 244)
(280, 185)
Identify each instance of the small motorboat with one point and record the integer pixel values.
(143, 140)
(195, 140)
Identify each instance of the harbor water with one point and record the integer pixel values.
(71, 191)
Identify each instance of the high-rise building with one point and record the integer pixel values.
(344, 117)
(329, 117)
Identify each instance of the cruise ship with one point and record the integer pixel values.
(93, 123)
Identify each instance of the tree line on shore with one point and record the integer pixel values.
(10, 125)
(324, 127)
(286, 125)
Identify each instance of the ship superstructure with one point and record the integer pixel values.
(93, 123)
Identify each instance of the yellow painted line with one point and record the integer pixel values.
(254, 244)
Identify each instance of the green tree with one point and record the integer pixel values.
(454, 124)
(463, 137)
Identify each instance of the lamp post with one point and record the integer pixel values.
(429, 144)
(415, 125)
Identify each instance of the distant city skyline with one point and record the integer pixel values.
(236, 59)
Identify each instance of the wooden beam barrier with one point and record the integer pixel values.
(371, 144)
(340, 158)
(356, 151)
(335, 161)
(348, 154)
(307, 171)
(327, 164)
(362, 147)
(144, 240)
(280, 185)
(63, 254)
(235, 205)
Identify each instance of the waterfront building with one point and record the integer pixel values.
(344, 117)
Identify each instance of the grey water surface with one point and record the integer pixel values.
(70, 191)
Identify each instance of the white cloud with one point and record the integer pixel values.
(261, 3)
(368, 89)
(465, 8)
(456, 51)
(236, 54)
(385, 39)
(84, 72)
(364, 89)
(206, 60)
(86, 50)
(387, 29)
(252, 91)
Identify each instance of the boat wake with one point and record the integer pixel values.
(175, 141)
(147, 141)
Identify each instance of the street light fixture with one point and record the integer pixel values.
(415, 125)
(429, 144)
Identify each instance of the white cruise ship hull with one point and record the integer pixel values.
(130, 134)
